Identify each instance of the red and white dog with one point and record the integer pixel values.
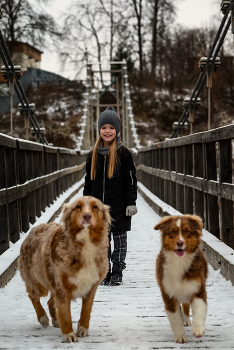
(181, 271)
(69, 261)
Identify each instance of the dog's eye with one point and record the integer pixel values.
(78, 207)
(95, 207)
(188, 233)
(172, 234)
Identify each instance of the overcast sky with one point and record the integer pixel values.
(194, 13)
(191, 13)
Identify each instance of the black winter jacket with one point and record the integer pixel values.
(117, 192)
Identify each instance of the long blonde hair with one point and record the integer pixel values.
(113, 158)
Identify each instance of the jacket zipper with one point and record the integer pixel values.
(104, 174)
(131, 177)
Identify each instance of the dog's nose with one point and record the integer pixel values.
(180, 244)
(87, 216)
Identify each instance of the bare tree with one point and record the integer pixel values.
(117, 12)
(161, 15)
(93, 28)
(137, 5)
(110, 15)
(84, 33)
(22, 22)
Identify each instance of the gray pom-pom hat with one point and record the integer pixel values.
(109, 116)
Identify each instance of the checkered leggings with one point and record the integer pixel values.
(118, 255)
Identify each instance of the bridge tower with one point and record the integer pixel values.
(107, 85)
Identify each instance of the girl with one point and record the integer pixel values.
(111, 177)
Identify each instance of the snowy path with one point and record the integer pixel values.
(126, 317)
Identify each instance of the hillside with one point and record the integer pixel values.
(155, 108)
(58, 109)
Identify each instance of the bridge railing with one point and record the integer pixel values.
(193, 174)
(32, 176)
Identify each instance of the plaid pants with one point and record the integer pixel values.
(118, 255)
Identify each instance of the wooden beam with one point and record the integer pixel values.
(107, 71)
(224, 190)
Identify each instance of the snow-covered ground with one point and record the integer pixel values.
(125, 317)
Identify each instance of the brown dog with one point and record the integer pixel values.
(69, 261)
(181, 271)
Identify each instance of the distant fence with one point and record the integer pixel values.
(32, 176)
(193, 174)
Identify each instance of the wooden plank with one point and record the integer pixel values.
(43, 188)
(148, 163)
(63, 150)
(218, 134)
(31, 194)
(30, 146)
(226, 206)
(172, 185)
(14, 224)
(38, 202)
(212, 201)
(50, 149)
(47, 172)
(4, 237)
(37, 173)
(32, 207)
(198, 172)
(161, 181)
(24, 203)
(107, 71)
(157, 162)
(166, 182)
(10, 167)
(12, 208)
(19, 191)
(188, 170)
(8, 141)
(2, 168)
(22, 161)
(223, 190)
(29, 164)
(153, 166)
(179, 188)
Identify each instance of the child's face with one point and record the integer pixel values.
(107, 133)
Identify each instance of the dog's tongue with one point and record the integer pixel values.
(180, 252)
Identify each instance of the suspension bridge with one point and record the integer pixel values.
(191, 174)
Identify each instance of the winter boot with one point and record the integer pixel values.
(106, 280)
(116, 279)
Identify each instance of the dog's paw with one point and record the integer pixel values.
(69, 338)
(198, 330)
(55, 323)
(44, 321)
(82, 332)
(180, 338)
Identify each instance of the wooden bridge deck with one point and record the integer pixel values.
(128, 317)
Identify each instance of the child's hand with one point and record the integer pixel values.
(131, 210)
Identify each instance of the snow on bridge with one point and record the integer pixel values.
(124, 317)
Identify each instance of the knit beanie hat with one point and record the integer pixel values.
(109, 116)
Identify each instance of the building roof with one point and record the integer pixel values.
(22, 44)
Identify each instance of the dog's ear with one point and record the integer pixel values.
(163, 222)
(197, 222)
(66, 214)
(106, 214)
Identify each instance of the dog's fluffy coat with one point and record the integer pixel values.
(181, 271)
(69, 261)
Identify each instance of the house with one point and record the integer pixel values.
(29, 58)
(23, 55)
